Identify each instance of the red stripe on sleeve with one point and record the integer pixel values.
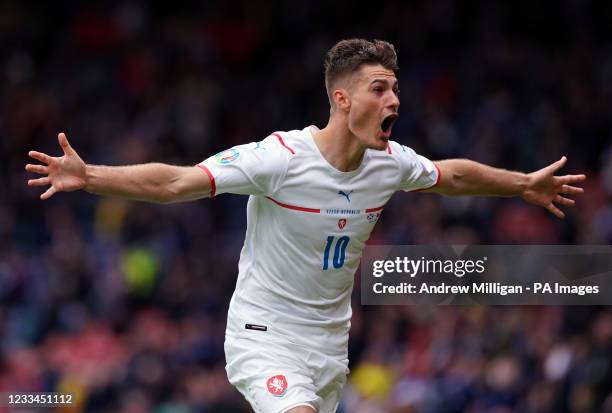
(283, 143)
(374, 209)
(213, 187)
(389, 148)
(294, 207)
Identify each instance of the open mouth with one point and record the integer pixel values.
(388, 122)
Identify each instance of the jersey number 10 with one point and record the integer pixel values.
(339, 251)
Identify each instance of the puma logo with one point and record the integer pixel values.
(344, 194)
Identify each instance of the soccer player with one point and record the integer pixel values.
(315, 195)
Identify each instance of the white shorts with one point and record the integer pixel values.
(277, 376)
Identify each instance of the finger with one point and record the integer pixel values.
(63, 141)
(39, 169)
(557, 165)
(39, 181)
(571, 190)
(555, 211)
(564, 201)
(570, 179)
(39, 156)
(48, 193)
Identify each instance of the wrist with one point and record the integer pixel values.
(524, 183)
(89, 177)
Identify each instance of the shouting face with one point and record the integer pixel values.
(373, 105)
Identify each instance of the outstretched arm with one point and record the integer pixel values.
(542, 187)
(152, 182)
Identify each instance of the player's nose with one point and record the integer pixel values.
(394, 102)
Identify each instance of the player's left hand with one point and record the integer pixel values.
(546, 189)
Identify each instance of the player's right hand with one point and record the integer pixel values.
(65, 173)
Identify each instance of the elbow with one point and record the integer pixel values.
(451, 184)
(176, 191)
(163, 193)
(168, 195)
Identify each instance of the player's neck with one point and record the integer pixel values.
(339, 146)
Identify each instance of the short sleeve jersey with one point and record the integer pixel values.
(307, 225)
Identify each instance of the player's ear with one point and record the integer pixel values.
(341, 99)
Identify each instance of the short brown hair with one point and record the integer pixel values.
(347, 56)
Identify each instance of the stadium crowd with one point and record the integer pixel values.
(124, 304)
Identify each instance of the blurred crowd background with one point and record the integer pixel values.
(124, 304)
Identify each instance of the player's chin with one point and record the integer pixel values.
(380, 143)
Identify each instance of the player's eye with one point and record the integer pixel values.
(378, 89)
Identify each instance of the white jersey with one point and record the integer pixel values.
(307, 225)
